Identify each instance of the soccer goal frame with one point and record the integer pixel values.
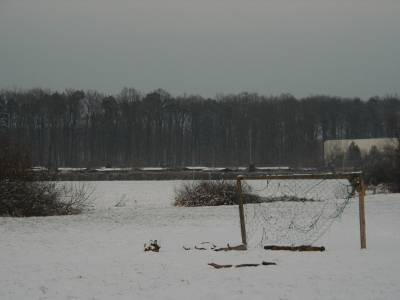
(355, 179)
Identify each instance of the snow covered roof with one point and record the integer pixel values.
(71, 169)
(112, 169)
(38, 169)
(308, 169)
(271, 168)
(152, 169)
(194, 168)
(216, 170)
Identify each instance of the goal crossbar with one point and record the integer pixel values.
(354, 178)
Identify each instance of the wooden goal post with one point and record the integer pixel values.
(355, 179)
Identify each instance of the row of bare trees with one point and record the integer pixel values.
(76, 128)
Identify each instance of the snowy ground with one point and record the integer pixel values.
(99, 254)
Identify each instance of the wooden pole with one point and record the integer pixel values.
(362, 215)
(241, 210)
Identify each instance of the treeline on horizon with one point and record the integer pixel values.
(90, 129)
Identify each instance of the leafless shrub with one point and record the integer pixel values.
(22, 196)
(76, 196)
(211, 193)
(25, 199)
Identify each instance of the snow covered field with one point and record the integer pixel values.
(99, 254)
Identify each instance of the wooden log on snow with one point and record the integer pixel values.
(220, 266)
(247, 265)
(264, 263)
(239, 248)
(267, 263)
(295, 248)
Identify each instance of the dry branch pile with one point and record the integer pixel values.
(152, 246)
(211, 246)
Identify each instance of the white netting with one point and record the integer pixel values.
(294, 211)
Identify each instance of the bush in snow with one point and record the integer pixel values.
(22, 196)
(211, 193)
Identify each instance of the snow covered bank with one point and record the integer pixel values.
(99, 254)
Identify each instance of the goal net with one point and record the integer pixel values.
(294, 210)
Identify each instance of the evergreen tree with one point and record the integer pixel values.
(354, 156)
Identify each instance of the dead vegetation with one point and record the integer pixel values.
(211, 246)
(22, 196)
(152, 246)
(211, 193)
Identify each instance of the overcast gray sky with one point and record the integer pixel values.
(345, 48)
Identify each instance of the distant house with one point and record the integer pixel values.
(332, 147)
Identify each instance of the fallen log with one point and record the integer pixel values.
(238, 248)
(202, 246)
(210, 246)
(217, 266)
(266, 263)
(295, 248)
(247, 265)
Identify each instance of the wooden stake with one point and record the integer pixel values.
(241, 210)
(362, 215)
